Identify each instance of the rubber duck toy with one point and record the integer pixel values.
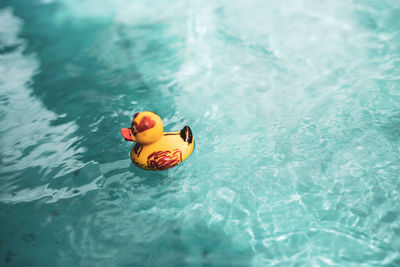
(154, 149)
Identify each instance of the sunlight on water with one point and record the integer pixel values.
(294, 109)
(27, 132)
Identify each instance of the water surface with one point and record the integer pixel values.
(295, 109)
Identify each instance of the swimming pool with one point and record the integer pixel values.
(294, 106)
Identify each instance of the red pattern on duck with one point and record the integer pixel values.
(162, 160)
(145, 123)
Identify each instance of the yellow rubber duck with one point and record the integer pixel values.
(154, 149)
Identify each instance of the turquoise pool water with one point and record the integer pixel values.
(294, 105)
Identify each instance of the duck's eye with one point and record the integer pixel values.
(133, 129)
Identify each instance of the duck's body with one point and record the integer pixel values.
(170, 150)
(155, 151)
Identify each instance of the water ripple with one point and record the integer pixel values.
(294, 109)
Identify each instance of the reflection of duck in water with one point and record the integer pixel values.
(154, 149)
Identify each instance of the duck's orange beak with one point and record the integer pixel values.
(127, 134)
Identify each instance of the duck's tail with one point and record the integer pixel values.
(186, 134)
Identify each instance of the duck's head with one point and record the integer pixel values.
(147, 128)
